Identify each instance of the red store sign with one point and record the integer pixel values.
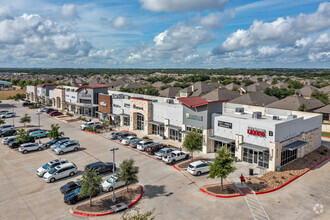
(256, 132)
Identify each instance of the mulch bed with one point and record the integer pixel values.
(184, 164)
(228, 189)
(102, 204)
(273, 179)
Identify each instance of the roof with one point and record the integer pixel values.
(324, 109)
(196, 101)
(198, 89)
(95, 86)
(293, 102)
(255, 98)
(257, 87)
(46, 84)
(221, 94)
(306, 91)
(325, 89)
(170, 92)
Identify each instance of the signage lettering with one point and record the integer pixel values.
(103, 104)
(194, 117)
(256, 132)
(116, 106)
(127, 105)
(225, 124)
(137, 107)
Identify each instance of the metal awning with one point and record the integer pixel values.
(222, 139)
(98, 112)
(254, 147)
(177, 128)
(156, 123)
(295, 145)
(113, 115)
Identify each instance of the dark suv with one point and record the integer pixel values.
(25, 104)
(15, 144)
(101, 167)
(7, 133)
(54, 141)
(153, 148)
(121, 136)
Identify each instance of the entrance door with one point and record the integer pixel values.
(261, 159)
(255, 157)
(140, 121)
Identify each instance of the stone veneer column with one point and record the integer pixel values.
(208, 144)
(238, 149)
(122, 121)
(275, 150)
(166, 129)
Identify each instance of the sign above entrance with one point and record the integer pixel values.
(225, 124)
(256, 132)
(137, 107)
(103, 104)
(194, 117)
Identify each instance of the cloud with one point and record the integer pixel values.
(283, 31)
(182, 5)
(212, 20)
(69, 11)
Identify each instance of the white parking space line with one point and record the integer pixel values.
(51, 154)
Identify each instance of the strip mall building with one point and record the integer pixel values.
(267, 137)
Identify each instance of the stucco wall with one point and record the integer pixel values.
(162, 111)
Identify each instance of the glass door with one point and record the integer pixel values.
(261, 159)
(255, 157)
(140, 121)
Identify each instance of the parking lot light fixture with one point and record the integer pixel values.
(113, 172)
(38, 113)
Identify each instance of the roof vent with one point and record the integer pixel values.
(276, 117)
(256, 115)
(291, 117)
(154, 100)
(169, 101)
(239, 110)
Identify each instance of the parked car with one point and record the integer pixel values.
(175, 156)
(3, 112)
(60, 171)
(59, 143)
(33, 130)
(25, 148)
(54, 141)
(128, 139)
(7, 133)
(26, 104)
(55, 113)
(43, 109)
(7, 127)
(39, 134)
(101, 167)
(111, 183)
(153, 148)
(121, 136)
(70, 186)
(15, 144)
(113, 135)
(67, 147)
(49, 110)
(134, 142)
(45, 168)
(143, 144)
(90, 124)
(164, 152)
(8, 115)
(199, 167)
(6, 140)
(73, 196)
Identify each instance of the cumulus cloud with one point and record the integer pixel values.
(69, 11)
(212, 20)
(284, 31)
(182, 5)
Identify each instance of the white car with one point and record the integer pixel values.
(8, 139)
(199, 167)
(90, 124)
(143, 144)
(61, 171)
(164, 152)
(175, 156)
(128, 140)
(67, 146)
(59, 143)
(48, 166)
(3, 112)
(7, 127)
(112, 182)
(8, 115)
(25, 148)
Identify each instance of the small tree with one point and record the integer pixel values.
(193, 142)
(90, 184)
(128, 172)
(223, 165)
(2, 122)
(54, 132)
(25, 119)
(148, 215)
(302, 107)
(21, 136)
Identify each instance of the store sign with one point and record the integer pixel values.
(256, 132)
(127, 105)
(103, 104)
(225, 124)
(116, 106)
(85, 94)
(194, 117)
(137, 107)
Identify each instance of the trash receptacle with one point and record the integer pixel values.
(235, 159)
(251, 172)
(278, 169)
(164, 137)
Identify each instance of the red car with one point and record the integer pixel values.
(55, 113)
(153, 148)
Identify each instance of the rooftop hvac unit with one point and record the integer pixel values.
(154, 100)
(290, 117)
(239, 110)
(169, 101)
(256, 115)
(276, 117)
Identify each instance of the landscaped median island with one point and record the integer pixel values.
(103, 205)
(184, 165)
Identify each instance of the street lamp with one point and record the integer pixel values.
(14, 119)
(38, 113)
(113, 172)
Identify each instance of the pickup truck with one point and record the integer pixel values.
(175, 156)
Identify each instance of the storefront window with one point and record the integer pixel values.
(140, 121)
(126, 121)
(230, 146)
(256, 157)
(175, 135)
(288, 156)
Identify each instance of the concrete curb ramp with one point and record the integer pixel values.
(112, 212)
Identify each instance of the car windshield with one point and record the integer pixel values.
(46, 166)
(110, 180)
(191, 166)
(161, 152)
(63, 146)
(53, 170)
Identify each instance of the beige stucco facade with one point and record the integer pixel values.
(59, 97)
(143, 107)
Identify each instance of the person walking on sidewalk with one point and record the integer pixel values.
(242, 179)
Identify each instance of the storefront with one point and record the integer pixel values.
(223, 142)
(104, 107)
(140, 114)
(120, 110)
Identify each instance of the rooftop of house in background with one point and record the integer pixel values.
(294, 102)
(306, 91)
(324, 109)
(255, 98)
(221, 94)
(170, 92)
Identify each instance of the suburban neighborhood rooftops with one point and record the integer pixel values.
(294, 102)
(255, 98)
(95, 86)
(324, 109)
(221, 94)
(46, 84)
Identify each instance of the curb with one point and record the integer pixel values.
(268, 191)
(325, 137)
(90, 132)
(112, 212)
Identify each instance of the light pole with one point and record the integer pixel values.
(113, 172)
(13, 119)
(38, 113)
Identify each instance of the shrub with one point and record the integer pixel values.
(274, 177)
(146, 137)
(69, 114)
(283, 177)
(277, 181)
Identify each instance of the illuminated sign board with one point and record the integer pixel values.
(103, 104)
(194, 117)
(225, 124)
(137, 107)
(256, 132)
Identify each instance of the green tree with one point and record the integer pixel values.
(90, 184)
(128, 172)
(54, 132)
(302, 107)
(223, 165)
(148, 215)
(193, 142)
(260, 79)
(274, 82)
(2, 122)
(25, 119)
(323, 97)
(21, 136)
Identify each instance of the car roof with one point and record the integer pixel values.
(94, 164)
(177, 151)
(64, 165)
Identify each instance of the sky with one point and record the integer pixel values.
(164, 34)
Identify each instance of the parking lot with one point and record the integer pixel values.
(26, 196)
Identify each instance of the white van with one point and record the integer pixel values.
(61, 171)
